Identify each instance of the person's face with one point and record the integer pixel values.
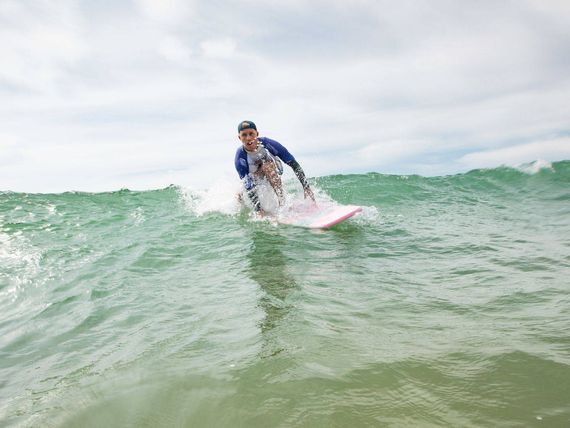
(248, 138)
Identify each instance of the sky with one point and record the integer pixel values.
(141, 94)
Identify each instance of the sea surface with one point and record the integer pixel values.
(445, 303)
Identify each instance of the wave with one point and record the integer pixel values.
(368, 189)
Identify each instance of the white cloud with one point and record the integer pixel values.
(388, 152)
(38, 44)
(10, 155)
(554, 149)
(174, 50)
(165, 11)
(147, 87)
(219, 48)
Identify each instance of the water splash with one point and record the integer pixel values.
(222, 196)
(535, 167)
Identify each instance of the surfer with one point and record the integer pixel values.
(261, 157)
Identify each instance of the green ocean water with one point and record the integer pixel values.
(445, 303)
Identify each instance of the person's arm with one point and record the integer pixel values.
(279, 150)
(302, 178)
(252, 194)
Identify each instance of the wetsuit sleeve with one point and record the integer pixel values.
(277, 149)
(252, 195)
(240, 162)
(299, 173)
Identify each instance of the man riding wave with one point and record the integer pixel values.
(261, 157)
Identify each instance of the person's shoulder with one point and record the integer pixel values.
(240, 162)
(240, 155)
(267, 140)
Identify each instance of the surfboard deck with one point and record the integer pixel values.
(319, 217)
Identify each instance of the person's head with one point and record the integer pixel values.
(247, 134)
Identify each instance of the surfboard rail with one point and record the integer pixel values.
(320, 217)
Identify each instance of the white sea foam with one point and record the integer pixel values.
(368, 216)
(227, 197)
(52, 210)
(534, 167)
(20, 262)
(138, 216)
(221, 196)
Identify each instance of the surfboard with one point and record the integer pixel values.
(319, 217)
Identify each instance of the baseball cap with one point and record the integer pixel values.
(246, 124)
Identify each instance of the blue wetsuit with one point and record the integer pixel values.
(245, 169)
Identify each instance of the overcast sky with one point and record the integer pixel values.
(103, 95)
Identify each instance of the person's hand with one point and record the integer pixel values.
(309, 193)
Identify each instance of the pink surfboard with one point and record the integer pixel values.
(320, 217)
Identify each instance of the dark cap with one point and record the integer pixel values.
(246, 124)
